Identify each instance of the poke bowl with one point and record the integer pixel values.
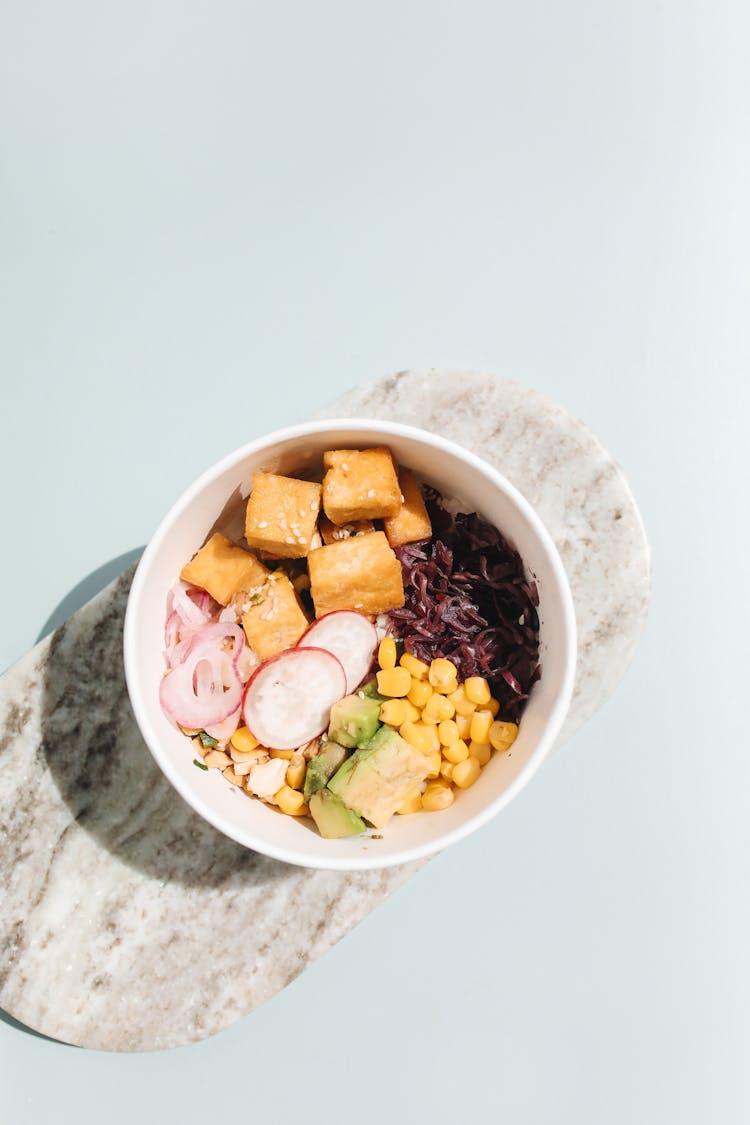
(349, 644)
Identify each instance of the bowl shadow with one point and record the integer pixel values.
(103, 770)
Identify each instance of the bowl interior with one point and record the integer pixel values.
(216, 502)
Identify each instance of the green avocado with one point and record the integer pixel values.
(333, 818)
(323, 766)
(370, 690)
(354, 719)
(376, 780)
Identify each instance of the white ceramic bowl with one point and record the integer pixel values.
(218, 497)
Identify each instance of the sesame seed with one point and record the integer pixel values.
(344, 466)
(371, 493)
(289, 539)
(402, 498)
(263, 523)
(301, 539)
(358, 605)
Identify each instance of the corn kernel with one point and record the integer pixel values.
(295, 772)
(466, 773)
(477, 690)
(446, 769)
(413, 714)
(463, 723)
(387, 653)
(416, 668)
(419, 692)
(418, 736)
(456, 752)
(463, 705)
(443, 675)
(448, 732)
(244, 741)
(393, 681)
(288, 754)
(394, 712)
(436, 762)
(437, 797)
(413, 803)
(437, 708)
(503, 735)
(481, 751)
(481, 721)
(291, 802)
(493, 706)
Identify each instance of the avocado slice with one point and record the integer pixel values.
(354, 719)
(333, 818)
(370, 690)
(377, 778)
(323, 766)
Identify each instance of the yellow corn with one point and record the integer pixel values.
(394, 712)
(481, 721)
(436, 761)
(291, 802)
(493, 706)
(288, 754)
(416, 668)
(466, 773)
(394, 682)
(244, 741)
(463, 725)
(413, 714)
(295, 772)
(419, 692)
(437, 797)
(463, 705)
(481, 751)
(503, 735)
(387, 653)
(443, 675)
(477, 690)
(413, 803)
(446, 769)
(448, 732)
(437, 708)
(418, 736)
(456, 752)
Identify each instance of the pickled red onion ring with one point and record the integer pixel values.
(205, 688)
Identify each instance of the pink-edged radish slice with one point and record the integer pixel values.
(350, 637)
(288, 699)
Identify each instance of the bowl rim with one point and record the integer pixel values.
(365, 861)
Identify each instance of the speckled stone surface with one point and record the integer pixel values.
(114, 890)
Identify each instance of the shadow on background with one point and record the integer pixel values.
(88, 588)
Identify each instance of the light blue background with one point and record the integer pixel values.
(218, 216)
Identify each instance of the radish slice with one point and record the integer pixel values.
(288, 699)
(350, 637)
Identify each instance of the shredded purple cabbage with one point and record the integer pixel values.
(468, 599)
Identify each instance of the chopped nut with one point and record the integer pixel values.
(217, 760)
(231, 775)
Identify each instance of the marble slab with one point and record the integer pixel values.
(114, 890)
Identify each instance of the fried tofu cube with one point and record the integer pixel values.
(360, 573)
(361, 484)
(331, 532)
(412, 522)
(282, 515)
(274, 620)
(223, 568)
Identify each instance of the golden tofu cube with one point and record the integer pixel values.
(223, 568)
(282, 515)
(360, 573)
(274, 620)
(412, 522)
(361, 484)
(331, 532)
